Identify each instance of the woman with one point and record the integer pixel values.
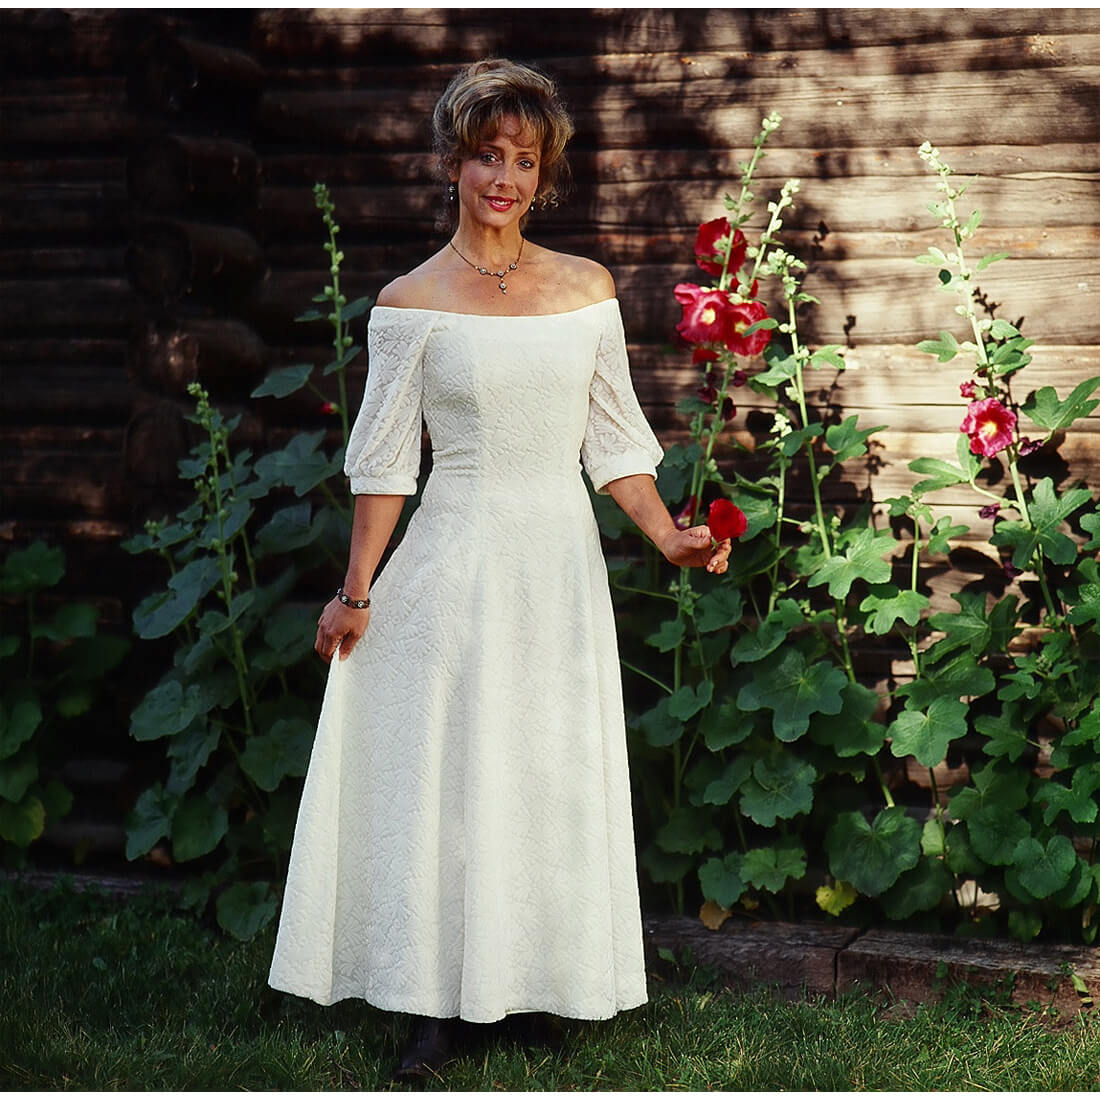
(464, 845)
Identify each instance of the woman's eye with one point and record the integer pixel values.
(487, 158)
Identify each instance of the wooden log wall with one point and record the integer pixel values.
(158, 224)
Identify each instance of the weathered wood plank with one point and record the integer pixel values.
(1019, 107)
(396, 35)
(88, 306)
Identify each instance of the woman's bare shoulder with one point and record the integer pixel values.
(581, 280)
(419, 289)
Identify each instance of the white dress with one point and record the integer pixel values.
(464, 844)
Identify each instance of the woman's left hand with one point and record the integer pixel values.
(696, 548)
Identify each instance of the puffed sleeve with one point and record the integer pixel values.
(618, 440)
(383, 454)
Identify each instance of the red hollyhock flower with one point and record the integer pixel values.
(707, 314)
(989, 425)
(729, 410)
(703, 355)
(966, 389)
(739, 377)
(329, 409)
(712, 242)
(726, 520)
(745, 314)
(686, 516)
(989, 511)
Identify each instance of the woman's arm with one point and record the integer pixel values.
(637, 496)
(340, 627)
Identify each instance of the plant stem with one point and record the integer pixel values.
(645, 675)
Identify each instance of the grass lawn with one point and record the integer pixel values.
(100, 993)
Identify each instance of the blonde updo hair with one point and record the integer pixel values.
(481, 96)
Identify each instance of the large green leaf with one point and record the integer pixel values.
(688, 830)
(687, 701)
(770, 868)
(189, 751)
(926, 734)
(71, 620)
(19, 718)
(246, 907)
(720, 607)
(1048, 513)
(863, 559)
(149, 821)
(290, 528)
(851, 732)
(270, 757)
(1085, 597)
(301, 464)
(722, 880)
(958, 677)
(887, 604)
(658, 726)
(166, 710)
(1044, 408)
(780, 787)
(22, 822)
(769, 635)
(158, 615)
(793, 693)
(31, 569)
(994, 832)
(720, 791)
(1079, 800)
(1044, 868)
(197, 828)
(725, 725)
(17, 773)
(284, 381)
(668, 635)
(969, 626)
(665, 867)
(873, 856)
(918, 890)
(1007, 732)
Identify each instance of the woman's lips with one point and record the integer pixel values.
(500, 203)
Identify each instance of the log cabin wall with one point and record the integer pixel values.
(127, 195)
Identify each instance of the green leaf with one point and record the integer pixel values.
(848, 441)
(942, 474)
(982, 264)
(944, 349)
(688, 830)
(957, 677)
(300, 465)
(721, 607)
(926, 735)
(284, 381)
(31, 569)
(969, 626)
(720, 791)
(685, 703)
(830, 354)
(1043, 869)
(688, 406)
(356, 309)
(862, 560)
(888, 604)
(722, 880)
(1048, 512)
(18, 721)
(659, 727)
(769, 635)
(1007, 732)
(1044, 408)
(770, 868)
(777, 373)
(57, 799)
(149, 821)
(665, 867)
(246, 907)
(1024, 925)
(725, 725)
(22, 822)
(918, 891)
(270, 757)
(158, 615)
(17, 773)
(851, 732)
(189, 751)
(166, 710)
(994, 832)
(779, 788)
(961, 859)
(1078, 800)
(1091, 523)
(668, 635)
(793, 693)
(1085, 597)
(197, 828)
(836, 898)
(872, 857)
(343, 360)
(71, 620)
(933, 838)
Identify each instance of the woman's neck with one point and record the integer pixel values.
(488, 247)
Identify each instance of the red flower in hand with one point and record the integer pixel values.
(726, 520)
(713, 241)
(989, 425)
(707, 314)
(745, 314)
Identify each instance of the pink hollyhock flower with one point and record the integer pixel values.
(745, 314)
(712, 242)
(1030, 446)
(707, 314)
(966, 389)
(726, 520)
(989, 425)
(686, 516)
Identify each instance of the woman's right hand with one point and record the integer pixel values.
(340, 628)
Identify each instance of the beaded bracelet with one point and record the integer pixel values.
(347, 601)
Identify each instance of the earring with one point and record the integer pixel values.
(452, 192)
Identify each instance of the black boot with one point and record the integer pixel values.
(431, 1044)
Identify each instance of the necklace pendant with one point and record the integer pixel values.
(503, 287)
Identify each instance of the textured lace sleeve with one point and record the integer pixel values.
(383, 453)
(618, 440)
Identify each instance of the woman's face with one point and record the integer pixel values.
(496, 185)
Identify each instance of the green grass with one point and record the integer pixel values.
(99, 993)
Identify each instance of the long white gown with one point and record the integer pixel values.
(464, 844)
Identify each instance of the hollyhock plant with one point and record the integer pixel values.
(990, 426)
(708, 317)
(746, 314)
(716, 238)
(726, 520)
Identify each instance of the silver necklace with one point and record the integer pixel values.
(495, 274)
